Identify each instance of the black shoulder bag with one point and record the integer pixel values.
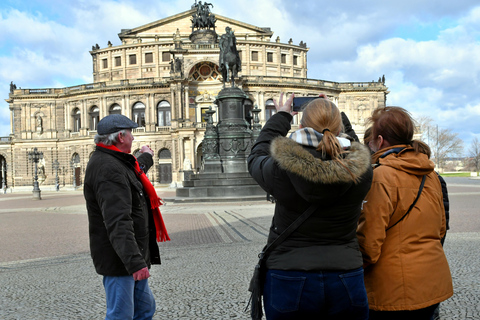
(413, 204)
(258, 278)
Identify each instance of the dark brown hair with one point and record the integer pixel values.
(367, 136)
(396, 126)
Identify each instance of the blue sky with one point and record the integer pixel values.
(429, 51)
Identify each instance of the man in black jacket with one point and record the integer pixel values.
(121, 227)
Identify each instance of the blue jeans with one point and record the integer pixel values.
(128, 299)
(315, 295)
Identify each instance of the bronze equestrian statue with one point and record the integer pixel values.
(229, 59)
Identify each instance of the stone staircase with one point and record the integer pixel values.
(213, 187)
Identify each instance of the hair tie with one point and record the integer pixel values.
(323, 132)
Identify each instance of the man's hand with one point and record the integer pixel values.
(141, 274)
(146, 149)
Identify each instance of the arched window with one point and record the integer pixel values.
(164, 154)
(76, 120)
(269, 109)
(138, 114)
(164, 114)
(115, 109)
(75, 159)
(94, 117)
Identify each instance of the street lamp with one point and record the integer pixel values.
(35, 156)
(56, 166)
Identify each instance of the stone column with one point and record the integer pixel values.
(186, 102)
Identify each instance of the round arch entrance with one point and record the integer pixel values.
(3, 173)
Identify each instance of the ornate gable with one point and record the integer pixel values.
(162, 30)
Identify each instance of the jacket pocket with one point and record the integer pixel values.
(353, 282)
(286, 292)
(139, 209)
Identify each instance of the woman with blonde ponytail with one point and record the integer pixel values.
(316, 272)
(402, 224)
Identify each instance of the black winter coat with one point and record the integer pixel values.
(121, 228)
(298, 176)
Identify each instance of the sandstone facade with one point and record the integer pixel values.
(165, 82)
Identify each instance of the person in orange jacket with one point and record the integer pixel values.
(406, 271)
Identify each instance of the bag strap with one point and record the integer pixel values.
(289, 230)
(413, 204)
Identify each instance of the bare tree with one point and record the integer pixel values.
(443, 142)
(474, 153)
(423, 124)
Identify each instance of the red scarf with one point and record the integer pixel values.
(155, 200)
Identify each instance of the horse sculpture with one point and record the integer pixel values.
(229, 58)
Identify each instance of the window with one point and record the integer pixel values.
(269, 56)
(118, 61)
(76, 120)
(115, 109)
(94, 115)
(269, 109)
(149, 57)
(164, 154)
(139, 114)
(164, 111)
(165, 56)
(133, 58)
(254, 55)
(75, 159)
(284, 58)
(295, 60)
(104, 63)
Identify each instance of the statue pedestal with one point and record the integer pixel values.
(234, 135)
(203, 36)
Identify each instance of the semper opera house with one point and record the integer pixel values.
(164, 76)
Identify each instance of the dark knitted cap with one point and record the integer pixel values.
(113, 123)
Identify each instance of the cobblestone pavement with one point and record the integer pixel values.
(46, 271)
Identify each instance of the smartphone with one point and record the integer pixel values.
(300, 102)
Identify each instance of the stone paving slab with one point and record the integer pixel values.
(194, 282)
(206, 267)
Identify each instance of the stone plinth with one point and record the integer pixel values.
(203, 36)
(207, 187)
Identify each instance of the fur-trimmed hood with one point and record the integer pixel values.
(294, 158)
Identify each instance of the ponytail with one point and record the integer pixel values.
(329, 145)
(421, 147)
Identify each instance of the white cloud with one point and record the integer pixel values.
(349, 41)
